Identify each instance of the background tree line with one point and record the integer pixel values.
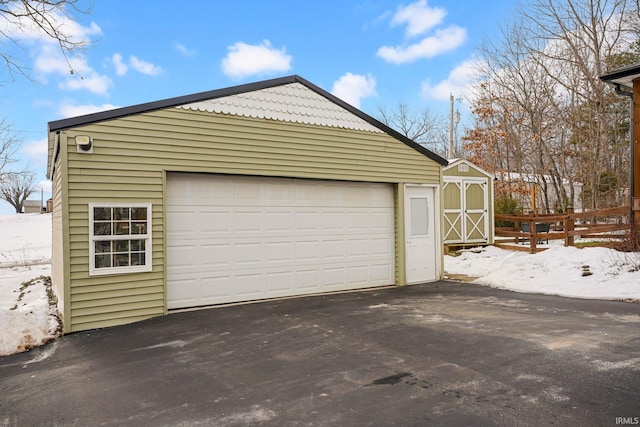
(541, 112)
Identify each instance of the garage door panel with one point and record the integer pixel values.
(333, 250)
(280, 283)
(382, 247)
(333, 277)
(213, 222)
(306, 251)
(359, 274)
(333, 221)
(248, 222)
(183, 256)
(278, 252)
(307, 279)
(179, 222)
(215, 288)
(380, 221)
(248, 254)
(382, 272)
(278, 221)
(249, 285)
(185, 292)
(243, 238)
(306, 221)
(216, 255)
(358, 248)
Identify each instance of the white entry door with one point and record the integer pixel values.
(420, 234)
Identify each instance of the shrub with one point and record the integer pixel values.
(506, 205)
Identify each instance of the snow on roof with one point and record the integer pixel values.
(529, 178)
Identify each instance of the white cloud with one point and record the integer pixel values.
(443, 41)
(77, 73)
(184, 50)
(457, 83)
(121, 67)
(36, 151)
(35, 148)
(141, 66)
(93, 82)
(45, 185)
(245, 60)
(49, 60)
(351, 88)
(20, 28)
(70, 110)
(144, 67)
(419, 17)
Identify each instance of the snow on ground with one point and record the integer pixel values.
(26, 317)
(556, 271)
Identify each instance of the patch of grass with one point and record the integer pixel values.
(594, 244)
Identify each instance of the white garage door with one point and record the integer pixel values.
(245, 238)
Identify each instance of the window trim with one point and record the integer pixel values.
(146, 267)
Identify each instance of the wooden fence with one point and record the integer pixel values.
(535, 228)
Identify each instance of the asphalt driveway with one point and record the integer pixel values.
(435, 354)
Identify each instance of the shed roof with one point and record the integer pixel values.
(455, 162)
(186, 100)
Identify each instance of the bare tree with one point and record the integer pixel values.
(8, 147)
(16, 187)
(48, 19)
(541, 78)
(579, 37)
(422, 126)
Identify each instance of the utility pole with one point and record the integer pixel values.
(450, 153)
(454, 119)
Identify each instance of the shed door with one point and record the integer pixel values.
(466, 215)
(236, 238)
(453, 207)
(476, 218)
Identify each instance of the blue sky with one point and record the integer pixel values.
(370, 53)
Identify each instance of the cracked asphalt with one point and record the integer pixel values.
(442, 353)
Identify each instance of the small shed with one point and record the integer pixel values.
(32, 206)
(467, 200)
(264, 190)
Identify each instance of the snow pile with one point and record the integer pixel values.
(25, 240)
(556, 271)
(27, 318)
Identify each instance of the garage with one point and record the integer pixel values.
(263, 190)
(240, 238)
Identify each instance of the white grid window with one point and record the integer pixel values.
(119, 238)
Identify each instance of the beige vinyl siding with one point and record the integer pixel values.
(199, 141)
(131, 155)
(400, 248)
(57, 239)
